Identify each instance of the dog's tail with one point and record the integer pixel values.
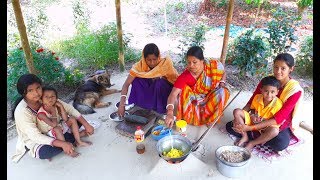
(83, 109)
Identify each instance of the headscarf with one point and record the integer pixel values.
(164, 68)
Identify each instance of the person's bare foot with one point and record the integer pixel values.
(241, 142)
(249, 146)
(84, 143)
(83, 133)
(74, 154)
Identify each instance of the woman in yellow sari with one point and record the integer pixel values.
(151, 81)
(200, 91)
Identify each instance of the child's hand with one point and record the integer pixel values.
(58, 104)
(241, 128)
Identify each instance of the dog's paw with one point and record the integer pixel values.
(108, 104)
(118, 91)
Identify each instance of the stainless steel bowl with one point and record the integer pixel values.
(174, 141)
(127, 106)
(114, 116)
(232, 169)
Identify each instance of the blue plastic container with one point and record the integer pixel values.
(163, 132)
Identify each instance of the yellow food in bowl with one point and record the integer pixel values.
(173, 153)
(156, 133)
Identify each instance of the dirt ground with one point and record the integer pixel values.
(214, 17)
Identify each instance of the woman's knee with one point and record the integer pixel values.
(237, 111)
(280, 141)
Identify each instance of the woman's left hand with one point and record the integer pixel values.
(222, 84)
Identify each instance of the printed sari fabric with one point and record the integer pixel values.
(204, 102)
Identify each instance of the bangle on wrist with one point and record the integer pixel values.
(170, 105)
(254, 128)
(123, 95)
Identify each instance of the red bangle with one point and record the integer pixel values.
(254, 128)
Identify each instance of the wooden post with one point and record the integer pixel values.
(226, 32)
(23, 36)
(120, 39)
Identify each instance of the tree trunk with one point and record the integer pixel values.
(120, 40)
(226, 32)
(23, 36)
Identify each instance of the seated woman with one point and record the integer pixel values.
(201, 99)
(290, 93)
(151, 81)
(29, 136)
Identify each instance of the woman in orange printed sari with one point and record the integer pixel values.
(200, 90)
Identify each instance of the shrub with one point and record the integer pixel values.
(281, 31)
(197, 38)
(47, 63)
(249, 52)
(96, 49)
(304, 58)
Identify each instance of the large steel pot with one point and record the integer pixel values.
(232, 169)
(174, 141)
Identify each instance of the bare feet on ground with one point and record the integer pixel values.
(84, 144)
(74, 154)
(241, 142)
(249, 146)
(83, 133)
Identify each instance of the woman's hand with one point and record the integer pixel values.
(222, 84)
(169, 120)
(121, 110)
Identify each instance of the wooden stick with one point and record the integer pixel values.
(305, 126)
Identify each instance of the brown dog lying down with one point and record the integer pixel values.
(88, 95)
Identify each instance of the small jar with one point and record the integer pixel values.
(181, 126)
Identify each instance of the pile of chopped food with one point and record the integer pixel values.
(233, 156)
(173, 153)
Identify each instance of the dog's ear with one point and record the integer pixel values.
(100, 78)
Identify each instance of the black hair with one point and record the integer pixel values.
(151, 48)
(195, 51)
(286, 57)
(270, 81)
(49, 88)
(22, 85)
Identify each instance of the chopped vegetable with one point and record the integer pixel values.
(173, 153)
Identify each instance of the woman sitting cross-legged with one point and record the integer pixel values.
(151, 81)
(200, 91)
(290, 93)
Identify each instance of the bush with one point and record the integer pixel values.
(249, 52)
(304, 59)
(281, 30)
(196, 38)
(96, 49)
(50, 69)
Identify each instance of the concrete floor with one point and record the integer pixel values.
(113, 156)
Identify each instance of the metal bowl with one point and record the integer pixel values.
(114, 116)
(232, 169)
(174, 141)
(127, 106)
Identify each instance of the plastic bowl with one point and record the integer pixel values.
(163, 132)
